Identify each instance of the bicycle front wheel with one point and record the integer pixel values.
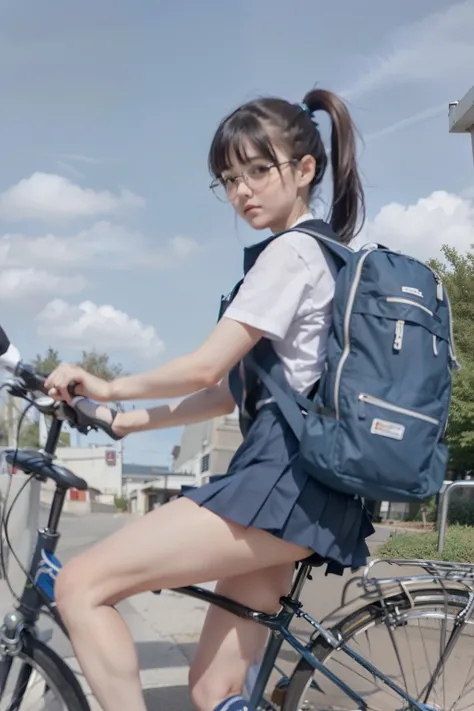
(37, 679)
(406, 638)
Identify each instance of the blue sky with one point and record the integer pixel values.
(109, 235)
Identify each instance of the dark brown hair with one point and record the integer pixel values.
(295, 130)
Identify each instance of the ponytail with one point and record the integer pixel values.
(348, 206)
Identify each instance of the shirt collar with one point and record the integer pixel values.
(252, 252)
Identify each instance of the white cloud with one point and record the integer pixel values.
(49, 197)
(175, 250)
(81, 158)
(104, 245)
(66, 167)
(31, 285)
(103, 327)
(407, 122)
(182, 246)
(421, 229)
(438, 47)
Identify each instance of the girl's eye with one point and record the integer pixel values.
(258, 171)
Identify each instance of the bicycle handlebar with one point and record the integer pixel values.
(80, 413)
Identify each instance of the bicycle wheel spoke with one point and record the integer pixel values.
(412, 664)
(426, 650)
(28, 690)
(465, 688)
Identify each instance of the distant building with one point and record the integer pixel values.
(206, 448)
(149, 486)
(100, 466)
(134, 475)
(461, 116)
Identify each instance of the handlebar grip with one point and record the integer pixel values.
(71, 388)
(31, 379)
(88, 409)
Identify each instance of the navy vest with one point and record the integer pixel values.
(245, 386)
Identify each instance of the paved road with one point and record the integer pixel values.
(167, 627)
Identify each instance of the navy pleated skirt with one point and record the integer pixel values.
(266, 487)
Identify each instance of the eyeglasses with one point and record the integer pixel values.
(255, 177)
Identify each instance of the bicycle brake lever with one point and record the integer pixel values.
(72, 416)
(16, 388)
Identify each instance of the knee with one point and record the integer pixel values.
(208, 691)
(69, 591)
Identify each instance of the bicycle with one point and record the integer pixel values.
(444, 592)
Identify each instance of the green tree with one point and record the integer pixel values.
(29, 436)
(457, 272)
(99, 364)
(93, 361)
(47, 363)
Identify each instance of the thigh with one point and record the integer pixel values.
(229, 644)
(178, 544)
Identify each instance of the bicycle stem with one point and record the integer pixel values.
(59, 493)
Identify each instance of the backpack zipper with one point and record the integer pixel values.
(401, 300)
(347, 319)
(371, 400)
(456, 365)
(441, 293)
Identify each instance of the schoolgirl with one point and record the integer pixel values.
(248, 528)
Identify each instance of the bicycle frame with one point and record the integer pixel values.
(38, 592)
(45, 567)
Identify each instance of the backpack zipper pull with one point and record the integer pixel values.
(439, 287)
(398, 340)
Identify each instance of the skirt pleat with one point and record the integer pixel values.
(266, 487)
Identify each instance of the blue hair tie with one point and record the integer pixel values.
(306, 109)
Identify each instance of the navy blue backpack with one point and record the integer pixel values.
(377, 423)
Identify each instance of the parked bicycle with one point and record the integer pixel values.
(332, 670)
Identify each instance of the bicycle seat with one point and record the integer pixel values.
(38, 464)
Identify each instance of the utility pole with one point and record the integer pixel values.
(12, 423)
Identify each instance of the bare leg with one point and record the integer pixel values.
(228, 644)
(178, 544)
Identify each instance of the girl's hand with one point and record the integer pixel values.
(87, 385)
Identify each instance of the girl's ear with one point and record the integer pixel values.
(306, 171)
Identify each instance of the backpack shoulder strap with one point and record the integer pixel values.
(227, 300)
(324, 234)
(286, 401)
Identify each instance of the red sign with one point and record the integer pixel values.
(111, 457)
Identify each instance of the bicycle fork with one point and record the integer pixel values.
(38, 590)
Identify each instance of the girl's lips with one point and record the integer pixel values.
(251, 208)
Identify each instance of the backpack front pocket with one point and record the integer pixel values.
(386, 446)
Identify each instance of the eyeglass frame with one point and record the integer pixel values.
(218, 181)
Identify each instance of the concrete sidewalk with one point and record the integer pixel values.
(166, 629)
(163, 662)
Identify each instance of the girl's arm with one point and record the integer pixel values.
(203, 368)
(203, 405)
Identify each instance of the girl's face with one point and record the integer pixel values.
(268, 194)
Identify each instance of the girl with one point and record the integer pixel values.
(247, 529)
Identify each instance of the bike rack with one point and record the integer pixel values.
(444, 503)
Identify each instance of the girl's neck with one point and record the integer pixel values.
(293, 217)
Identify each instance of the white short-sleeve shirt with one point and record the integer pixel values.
(288, 294)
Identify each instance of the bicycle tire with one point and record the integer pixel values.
(57, 674)
(352, 625)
